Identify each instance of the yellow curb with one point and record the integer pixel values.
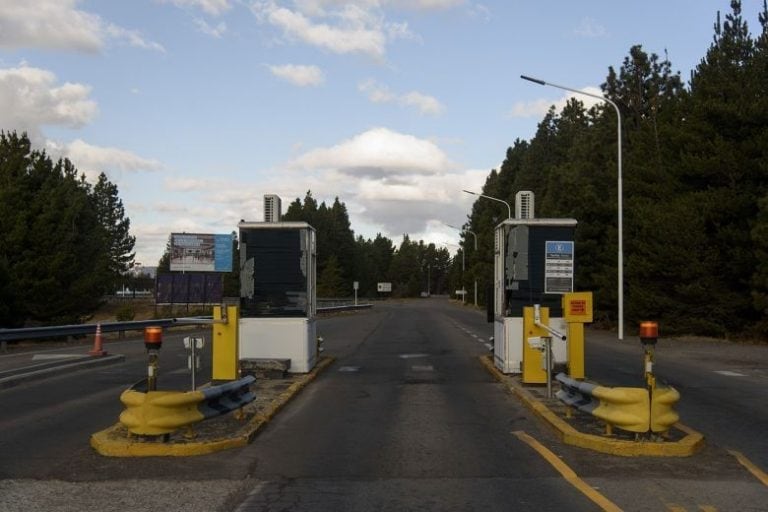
(105, 442)
(687, 446)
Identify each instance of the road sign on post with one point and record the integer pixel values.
(193, 344)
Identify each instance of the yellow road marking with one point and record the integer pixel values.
(707, 508)
(570, 476)
(675, 508)
(759, 473)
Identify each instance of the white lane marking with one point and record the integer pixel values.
(489, 346)
(473, 335)
(349, 369)
(44, 357)
(423, 368)
(729, 373)
(412, 356)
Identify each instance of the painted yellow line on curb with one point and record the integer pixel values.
(685, 447)
(570, 475)
(112, 442)
(751, 467)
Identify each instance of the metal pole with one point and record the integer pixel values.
(193, 362)
(474, 235)
(463, 288)
(152, 371)
(620, 193)
(548, 355)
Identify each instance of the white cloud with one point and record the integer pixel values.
(316, 7)
(378, 93)
(426, 5)
(212, 7)
(378, 152)
(59, 25)
(132, 38)
(214, 31)
(347, 29)
(538, 108)
(31, 98)
(391, 182)
(425, 104)
(93, 160)
(588, 27)
(49, 24)
(300, 75)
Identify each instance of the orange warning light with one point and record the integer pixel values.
(153, 337)
(649, 331)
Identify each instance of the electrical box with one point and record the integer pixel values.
(277, 293)
(534, 264)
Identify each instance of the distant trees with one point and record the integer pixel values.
(63, 243)
(412, 268)
(695, 186)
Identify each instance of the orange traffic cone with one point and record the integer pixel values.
(97, 349)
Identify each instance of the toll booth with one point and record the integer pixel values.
(277, 293)
(533, 299)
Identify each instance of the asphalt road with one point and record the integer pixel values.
(405, 419)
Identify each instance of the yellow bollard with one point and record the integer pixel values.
(225, 344)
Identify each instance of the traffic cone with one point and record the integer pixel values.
(97, 349)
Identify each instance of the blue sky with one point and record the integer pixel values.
(197, 108)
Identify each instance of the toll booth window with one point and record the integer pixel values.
(517, 257)
(273, 273)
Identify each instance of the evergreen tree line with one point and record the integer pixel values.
(412, 268)
(695, 178)
(64, 243)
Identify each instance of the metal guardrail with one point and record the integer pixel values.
(157, 413)
(59, 331)
(348, 307)
(55, 331)
(636, 410)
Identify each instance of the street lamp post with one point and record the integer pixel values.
(509, 208)
(619, 193)
(474, 235)
(463, 289)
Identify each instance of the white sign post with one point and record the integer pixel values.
(356, 286)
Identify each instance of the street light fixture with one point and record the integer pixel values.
(474, 235)
(509, 208)
(619, 193)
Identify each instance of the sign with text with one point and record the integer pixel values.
(195, 252)
(384, 287)
(558, 267)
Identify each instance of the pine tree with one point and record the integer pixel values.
(720, 166)
(116, 227)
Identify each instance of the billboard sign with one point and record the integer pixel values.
(194, 252)
(384, 287)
